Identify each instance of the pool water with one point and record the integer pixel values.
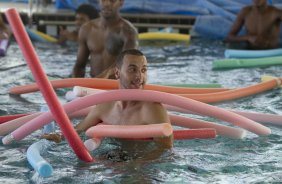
(221, 160)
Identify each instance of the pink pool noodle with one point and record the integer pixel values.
(223, 130)
(45, 86)
(10, 126)
(146, 132)
(187, 122)
(140, 95)
(6, 118)
(130, 131)
(203, 133)
(255, 116)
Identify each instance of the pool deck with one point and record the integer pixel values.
(46, 18)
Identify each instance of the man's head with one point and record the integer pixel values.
(110, 8)
(260, 3)
(84, 13)
(131, 69)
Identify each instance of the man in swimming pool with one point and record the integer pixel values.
(101, 40)
(83, 14)
(262, 23)
(131, 73)
(5, 32)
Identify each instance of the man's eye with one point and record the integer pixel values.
(131, 69)
(144, 70)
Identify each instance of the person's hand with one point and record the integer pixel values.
(252, 39)
(259, 42)
(63, 32)
(3, 36)
(56, 137)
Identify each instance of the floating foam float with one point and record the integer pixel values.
(48, 93)
(265, 78)
(34, 37)
(44, 169)
(186, 122)
(204, 85)
(259, 117)
(240, 54)
(139, 95)
(6, 118)
(40, 165)
(211, 97)
(142, 132)
(38, 36)
(147, 132)
(46, 37)
(246, 63)
(164, 36)
(108, 84)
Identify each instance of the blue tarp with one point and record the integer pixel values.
(214, 17)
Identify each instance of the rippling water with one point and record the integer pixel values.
(221, 160)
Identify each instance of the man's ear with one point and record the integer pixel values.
(117, 73)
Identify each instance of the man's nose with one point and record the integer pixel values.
(138, 74)
(106, 3)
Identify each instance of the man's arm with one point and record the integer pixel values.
(83, 53)
(279, 13)
(67, 35)
(236, 27)
(161, 116)
(91, 119)
(130, 35)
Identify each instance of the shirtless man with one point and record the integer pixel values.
(101, 40)
(131, 73)
(83, 14)
(262, 23)
(5, 33)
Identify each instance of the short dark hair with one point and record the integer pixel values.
(134, 52)
(88, 10)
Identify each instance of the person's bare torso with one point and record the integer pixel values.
(104, 44)
(139, 113)
(264, 25)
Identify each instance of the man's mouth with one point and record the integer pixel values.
(137, 85)
(106, 10)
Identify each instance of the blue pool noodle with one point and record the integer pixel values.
(40, 165)
(50, 127)
(233, 53)
(34, 37)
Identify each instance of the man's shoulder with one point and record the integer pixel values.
(127, 24)
(274, 9)
(153, 105)
(247, 9)
(89, 26)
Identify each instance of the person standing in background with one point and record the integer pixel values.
(102, 40)
(83, 14)
(5, 32)
(262, 23)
